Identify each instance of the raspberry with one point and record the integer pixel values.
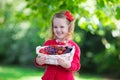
(60, 52)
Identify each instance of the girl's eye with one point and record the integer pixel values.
(55, 26)
(62, 26)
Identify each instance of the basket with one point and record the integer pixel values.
(52, 58)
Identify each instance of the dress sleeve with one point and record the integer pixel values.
(75, 64)
(45, 44)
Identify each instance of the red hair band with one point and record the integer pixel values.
(68, 15)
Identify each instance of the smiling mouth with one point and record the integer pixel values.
(60, 34)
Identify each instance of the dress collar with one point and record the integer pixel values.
(61, 42)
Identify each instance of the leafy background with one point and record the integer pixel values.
(25, 24)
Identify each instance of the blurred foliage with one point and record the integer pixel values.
(25, 24)
(25, 73)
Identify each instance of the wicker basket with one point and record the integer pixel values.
(52, 59)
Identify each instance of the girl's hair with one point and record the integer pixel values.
(69, 20)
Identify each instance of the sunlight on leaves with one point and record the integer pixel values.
(89, 5)
(77, 37)
(24, 26)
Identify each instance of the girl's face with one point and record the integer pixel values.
(60, 27)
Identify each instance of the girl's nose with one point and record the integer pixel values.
(58, 29)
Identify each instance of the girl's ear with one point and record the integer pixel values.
(70, 25)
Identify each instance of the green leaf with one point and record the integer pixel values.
(118, 12)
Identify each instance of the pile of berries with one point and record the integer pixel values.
(55, 50)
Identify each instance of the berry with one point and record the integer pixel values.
(60, 52)
(55, 49)
(41, 50)
(68, 49)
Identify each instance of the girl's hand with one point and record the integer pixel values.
(40, 60)
(63, 63)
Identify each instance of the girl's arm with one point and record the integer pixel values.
(37, 58)
(36, 64)
(75, 64)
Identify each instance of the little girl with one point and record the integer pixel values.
(62, 31)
